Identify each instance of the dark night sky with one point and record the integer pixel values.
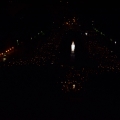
(84, 6)
(105, 14)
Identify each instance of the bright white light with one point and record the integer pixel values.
(115, 42)
(73, 86)
(72, 47)
(4, 59)
(86, 33)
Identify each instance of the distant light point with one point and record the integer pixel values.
(73, 86)
(86, 34)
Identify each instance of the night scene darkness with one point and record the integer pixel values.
(59, 60)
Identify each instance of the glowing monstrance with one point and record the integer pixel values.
(72, 47)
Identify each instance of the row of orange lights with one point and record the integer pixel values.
(7, 50)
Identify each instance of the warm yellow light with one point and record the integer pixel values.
(73, 86)
(67, 23)
(6, 50)
(73, 20)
